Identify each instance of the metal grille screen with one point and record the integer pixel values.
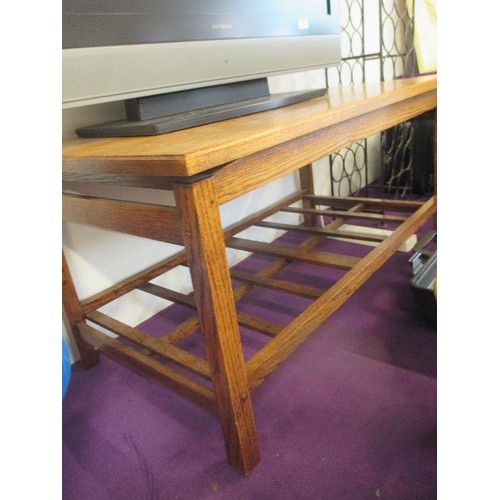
(377, 45)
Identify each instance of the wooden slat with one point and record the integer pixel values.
(252, 219)
(279, 348)
(167, 294)
(335, 224)
(347, 215)
(173, 353)
(370, 203)
(274, 284)
(127, 285)
(279, 264)
(150, 367)
(268, 271)
(182, 331)
(259, 325)
(287, 252)
(323, 231)
(247, 320)
(155, 222)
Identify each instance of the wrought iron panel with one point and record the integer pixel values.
(391, 56)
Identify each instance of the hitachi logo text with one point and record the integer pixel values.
(222, 26)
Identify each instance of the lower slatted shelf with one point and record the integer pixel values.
(149, 366)
(323, 218)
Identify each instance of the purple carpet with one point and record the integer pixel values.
(350, 415)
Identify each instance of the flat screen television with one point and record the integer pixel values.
(195, 60)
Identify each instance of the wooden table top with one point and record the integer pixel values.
(195, 150)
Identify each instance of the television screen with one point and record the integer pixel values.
(127, 49)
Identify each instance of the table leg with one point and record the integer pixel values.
(204, 241)
(306, 180)
(74, 313)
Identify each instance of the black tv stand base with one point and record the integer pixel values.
(154, 115)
